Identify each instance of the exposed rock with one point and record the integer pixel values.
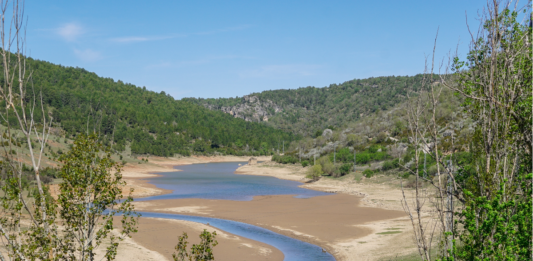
(447, 133)
(402, 146)
(251, 109)
(327, 133)
(252, 161)
(329, 147)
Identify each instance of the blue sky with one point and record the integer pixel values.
(217, 49)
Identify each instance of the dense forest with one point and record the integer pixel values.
(309, 110)
(152, 123)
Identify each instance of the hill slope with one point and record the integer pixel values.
(309, 110)
(153, 123)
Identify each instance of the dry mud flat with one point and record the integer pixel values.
(361, 222)
(161, 236)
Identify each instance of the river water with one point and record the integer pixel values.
(217, 181)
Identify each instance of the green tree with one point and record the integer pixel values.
(200, 252)
(315, 172)
(496, 81)
(90, 196)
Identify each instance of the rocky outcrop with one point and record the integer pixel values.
(251, 109)
(329, 147)
(252, 161)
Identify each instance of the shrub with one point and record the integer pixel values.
(362, 158)
(285, 159)
(344, 155)
(387, 165)
(368, 173)
(405, 175)
(345, 169)
(327, 166)
(314, 172)
(305, 163)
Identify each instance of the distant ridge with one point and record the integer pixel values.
(150, 122)
(309, 110)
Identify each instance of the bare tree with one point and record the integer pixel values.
(91, 193)
(496, 85)
(23, 104)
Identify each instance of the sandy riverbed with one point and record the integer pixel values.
(354, 224)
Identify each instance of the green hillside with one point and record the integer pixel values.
(152, 123)
(311, 109)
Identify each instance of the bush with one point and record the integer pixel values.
(362, 158)
(285, 159)
(405, 175)
(314, 172)
(344, 155)
(305, 163)
(368, 173)
(387, 165)
(327, 166)
(345, 169)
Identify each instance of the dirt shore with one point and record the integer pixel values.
(360, 222)
(334, 222)
(137, 175)
(161, 236)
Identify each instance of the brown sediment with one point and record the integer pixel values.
(137, 175)
(324, 221)
(161, 235)
(345, 224)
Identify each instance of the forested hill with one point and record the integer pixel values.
(153, 123)
(309, 110)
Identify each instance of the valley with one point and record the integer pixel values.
(403, 154)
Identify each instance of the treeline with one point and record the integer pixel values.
(153, 123)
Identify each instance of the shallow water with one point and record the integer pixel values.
(293, 249)
(217, 181)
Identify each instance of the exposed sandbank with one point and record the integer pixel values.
(346, 224)
(137, 175)
(161, 235)
(331, 222)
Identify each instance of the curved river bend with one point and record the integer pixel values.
(217, 181)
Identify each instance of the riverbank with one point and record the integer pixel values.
(161, 235)
(137, 175)
(362, 222)
(389, 237)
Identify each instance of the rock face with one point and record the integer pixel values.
(251, 109)
(329, 147)
(252, 161)
(327, 133)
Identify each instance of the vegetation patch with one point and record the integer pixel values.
(389, 233)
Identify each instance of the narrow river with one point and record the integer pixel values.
(217, 181)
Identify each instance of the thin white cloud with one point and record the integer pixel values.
(129, 39)
(200, 61)
(70, 31)
(88, 55)
(282, 70)
(134, 39)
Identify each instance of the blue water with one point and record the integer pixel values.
(293, 249)
(217, 181)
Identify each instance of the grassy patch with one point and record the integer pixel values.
(358, 176)
(389, 233)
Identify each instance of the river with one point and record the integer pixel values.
(217, 181)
